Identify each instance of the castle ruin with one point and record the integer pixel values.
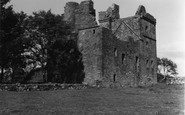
(118, 51)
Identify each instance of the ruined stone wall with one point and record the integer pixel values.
(143, 32)
(138, 32)
(90, 44)
(148, 62)
(69, 12)
(119, 60)
(148, 53)
(125, 36)
(125, 27)
(81, 15)
(111, 13)
(118, 52)
(102, 64)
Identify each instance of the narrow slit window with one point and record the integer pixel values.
(137, 63)
(142, 44)
(146, 27)
(123, 58)
(152, 63)
(115, 52)
(146, 43)
(94, 31)
(147, 63)
(127, 45)
(114, 77)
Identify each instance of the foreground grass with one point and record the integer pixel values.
(156, 100)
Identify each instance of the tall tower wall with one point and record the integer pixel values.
(81, 15)
(90, 44)
(69, 12)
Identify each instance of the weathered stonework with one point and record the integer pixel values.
(80, 15)
(119, 52)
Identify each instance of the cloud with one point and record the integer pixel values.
(172, 54)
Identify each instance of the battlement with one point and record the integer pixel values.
(111, 13)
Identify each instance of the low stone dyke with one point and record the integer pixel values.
(40, 87)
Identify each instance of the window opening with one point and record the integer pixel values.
(93, 31)
(127, 45)
(115, 52)
(114, 77)
(142, 41)
(147, 63)
(142, 44)
(137, 63)
(152, 63)
(146, 27)
(123, 58)
(146, 43)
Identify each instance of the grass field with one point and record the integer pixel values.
(157, 100)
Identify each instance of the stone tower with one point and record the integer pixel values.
(80, 15)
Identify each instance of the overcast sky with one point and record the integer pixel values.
(170, 15)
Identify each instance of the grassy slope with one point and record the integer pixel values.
(157, 100)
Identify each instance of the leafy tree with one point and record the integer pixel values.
(65, 62)
(166, 67)
(159, 65)
(7, 18)
(43, 41)
(47, 32)
(18, 47)
(11, 45)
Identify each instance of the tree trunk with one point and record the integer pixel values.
(165, 74)
(13, 76)
(163, 78)
(44, 73)
(65, 78)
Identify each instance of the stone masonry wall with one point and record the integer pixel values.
(81, 15)
(111, 13)
(119, 61)
(148, 52)
(90, 44)
(119, 52)
(141, 29)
